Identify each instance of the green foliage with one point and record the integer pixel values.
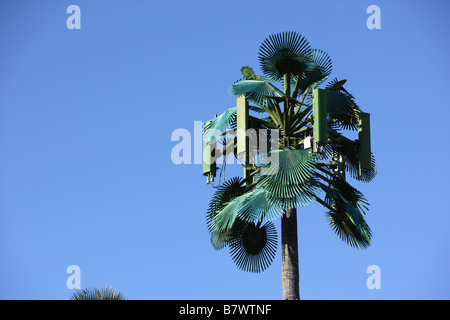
(254, 248)
(336, 85)
(347, 221)
(225, 194)
(215, 127)
(283, 53)
(350, 153)
(256, 91)
(241, 212)
(340, 103)
(320, 70)
(289, 178)
(225, 218)
(256, 207)
(106, 293)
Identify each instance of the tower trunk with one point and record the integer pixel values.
(289, 256)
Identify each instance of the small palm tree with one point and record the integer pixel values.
(307, 160)
(106, 293)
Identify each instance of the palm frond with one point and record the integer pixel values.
(283, 53)
(350, 151)
(321, 69)
(345, 216)
(256, 207)
(220, 239)
(106, 293)
(255, 90)
(349, 224)
(345, 121)
(340, 190)
(256, 109)
(289, 178)
(217, 126)
(255, 247)
(224, 219)
(336, 85)
(339, 102)
(365, 175)
(228, 191)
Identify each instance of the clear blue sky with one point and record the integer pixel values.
(86, 118)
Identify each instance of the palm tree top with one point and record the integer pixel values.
(105, 293)
(241, 211)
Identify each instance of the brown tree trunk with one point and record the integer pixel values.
(289, 256)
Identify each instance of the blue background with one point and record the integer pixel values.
(86, 118)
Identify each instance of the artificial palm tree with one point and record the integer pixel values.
(106, 293)
(292, 146)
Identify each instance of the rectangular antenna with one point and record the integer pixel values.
(242, 126)
(320, 130)
(365, 153)
(242, 132)
(208, 161)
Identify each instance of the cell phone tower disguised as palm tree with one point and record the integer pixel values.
(292, 147)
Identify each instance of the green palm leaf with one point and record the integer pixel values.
(336, 85)
(339, 102)
(345, 121)
(350, 152)
(256, 109)
(321, 69)
(365, 175)
(226, 217)
(212, 129)
(255, 247)
(343, 224)
(351, 160)
(348, 222)
(284, 53)
(106, 293)
(256, 207)
(228, 191)
(349, 194)
(289, 178)
(255, 90)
